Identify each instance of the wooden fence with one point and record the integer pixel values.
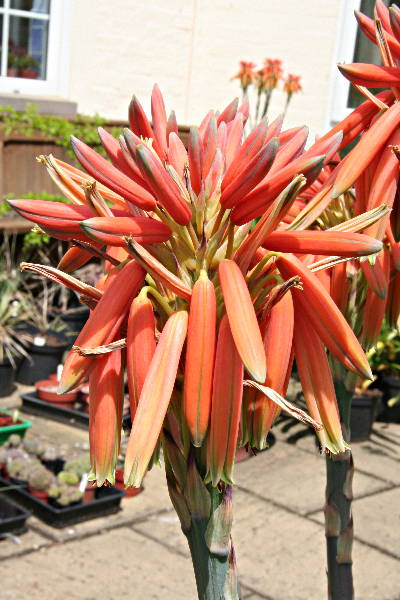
(20, 173)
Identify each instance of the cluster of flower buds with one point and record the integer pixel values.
(204, 309)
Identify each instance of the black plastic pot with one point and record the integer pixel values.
(74, 321)
(12, 518)
(390, 386)
(107, 502)
(7, 377)
(43, 361)
(364, 409)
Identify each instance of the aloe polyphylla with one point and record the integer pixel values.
(201, 303)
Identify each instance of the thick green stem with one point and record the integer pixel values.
(205, 513)
(338, 515)
(215, 574)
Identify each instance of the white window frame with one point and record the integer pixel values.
(56, 82)
(345, 44)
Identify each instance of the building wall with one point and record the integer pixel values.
(191, 48)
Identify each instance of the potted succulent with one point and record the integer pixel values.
(48, 341)
(20, 468)
(27, 67)
(80, 468)
(12, 65)
(65, 490)
(384, 358)
(14, 344)
(40, 480)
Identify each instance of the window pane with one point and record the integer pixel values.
(39, 6)
(27, 47)
(365, 51)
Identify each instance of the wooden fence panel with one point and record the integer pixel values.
(21, 171)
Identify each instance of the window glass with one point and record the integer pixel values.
(27, 47)
(38, 6)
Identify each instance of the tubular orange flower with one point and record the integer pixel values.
(325, 316)
(140, 346)
(317, 384)
(103, 171)
(278, 338)
(111, 230)
(373, 76)
(242, 319)
(328, 243)
(154, 398)
(104, 322)
(225, 406)
(162, 185)
(106, 395)
(364, 152)
(200, 352)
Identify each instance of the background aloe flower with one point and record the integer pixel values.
(190, 284)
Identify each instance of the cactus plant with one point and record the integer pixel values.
(33, 446)
(20, 468)
(14, 441)
(69, 495)
(40, 479)
(68, 478)
(79, 466)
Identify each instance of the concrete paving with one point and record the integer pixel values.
(278, 531)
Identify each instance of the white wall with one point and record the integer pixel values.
(192, 47)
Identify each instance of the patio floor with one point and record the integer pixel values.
(278, 531)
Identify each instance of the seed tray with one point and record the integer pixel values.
(107, 502)
(76, 416)
(12, 518)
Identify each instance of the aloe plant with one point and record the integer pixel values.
(200, 301)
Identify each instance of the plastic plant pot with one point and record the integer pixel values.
(7, 377)
(90, 493)
(47, 390)
(119, 483)
(19, 428)
(42, 496)
(43, 360)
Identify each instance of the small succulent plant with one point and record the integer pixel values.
(69, 495)
(14, 441)
(68, 478)
(65, 494)
(3, 455)
(79, 466)
(40, 479)
(50, 453)
(20, 468)
(33, 446)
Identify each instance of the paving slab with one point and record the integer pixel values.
(153, 499)
(282, 555)
(378, 460)
(120, 563)
(294, 478)
(14, 545)
(377, 521)
(13, 400)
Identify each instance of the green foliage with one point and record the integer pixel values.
(53, 127)
(385, 355)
